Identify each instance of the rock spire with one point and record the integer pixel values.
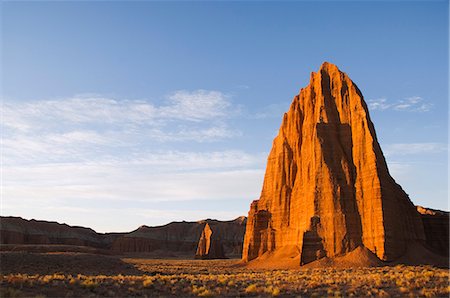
(327, 189)
(209, 245)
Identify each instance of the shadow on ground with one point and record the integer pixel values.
(64, 263)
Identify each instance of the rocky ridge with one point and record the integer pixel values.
(172, 240)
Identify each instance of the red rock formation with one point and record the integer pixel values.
(327, 189)
(209, 245)
(16, 230)
(173, 239)
(436, 225)
(181, 238)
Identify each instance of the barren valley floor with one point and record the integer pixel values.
(71, 274)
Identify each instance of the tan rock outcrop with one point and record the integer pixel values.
(327, 189)
(209, 245)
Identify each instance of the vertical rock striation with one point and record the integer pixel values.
(327, 189)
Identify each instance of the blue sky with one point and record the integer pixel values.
(117, 114)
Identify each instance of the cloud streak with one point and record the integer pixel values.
(124, 182)
(71, 153)
(82, 127)
(196, 106)
(402, 149)
(410, 104)
(99, 189)
(185, 106)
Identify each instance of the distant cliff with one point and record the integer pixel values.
(182, 237)
(173, 239)
(16, 230)
(436, 225)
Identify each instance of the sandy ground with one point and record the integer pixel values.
(75, 274)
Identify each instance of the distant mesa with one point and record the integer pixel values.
(174, 240)
(327, 191)
(182, 239)
(16, 230)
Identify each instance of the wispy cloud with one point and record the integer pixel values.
(196, 106)
(401, 149)
(184, 106)
(120, 181)
(88, 149)
(94, 187)
(411, 104)
(82, 127)
(400, 170)
(271, 111)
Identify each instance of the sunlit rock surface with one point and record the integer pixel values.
(327, 189)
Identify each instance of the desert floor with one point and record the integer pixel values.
(26, 274)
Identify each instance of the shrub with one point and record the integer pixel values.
(251, 289)
(275, 291)
(89, 284)
(147, 282)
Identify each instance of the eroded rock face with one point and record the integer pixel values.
(171, 240)
(209, 245)
(16, 230)
(327, 189)
(182, 238)
(436, 226)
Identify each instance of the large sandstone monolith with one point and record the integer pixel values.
(327, 189)
(209, 245)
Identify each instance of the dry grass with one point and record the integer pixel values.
(205, 278)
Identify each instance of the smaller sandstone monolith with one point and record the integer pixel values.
(209, 245)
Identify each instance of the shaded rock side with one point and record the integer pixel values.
(182, 238)
(209, 245)
(436, 226)
(175, 237)
(327, 189)
(16, 230)
(171, 240)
